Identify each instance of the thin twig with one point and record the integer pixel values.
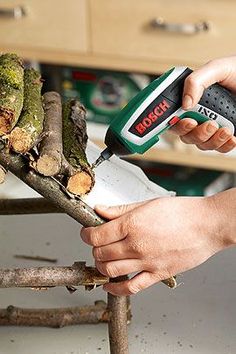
(35, 258)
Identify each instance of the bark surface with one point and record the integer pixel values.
(54, 317)
(11, 91)
(44, 277)
(30, 125)
(74, 146)
(50, 148)
(28, 206)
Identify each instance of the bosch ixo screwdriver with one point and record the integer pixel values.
(158, 107)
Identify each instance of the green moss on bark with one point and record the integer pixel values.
(74, 145)
(11, 91)
(30, 125)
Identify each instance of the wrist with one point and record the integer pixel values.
(223, 209)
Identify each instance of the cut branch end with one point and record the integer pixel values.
(20, 140)
(80, 183)
(48, 165)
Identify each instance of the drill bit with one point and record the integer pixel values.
(105, 155)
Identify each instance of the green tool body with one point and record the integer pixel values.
(158, 107)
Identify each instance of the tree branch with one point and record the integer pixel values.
(11, 91)
(75, 138)
(49, 189)
(54, 317)
(28, 206)
(118, 321)
(30, 125)
(50, 159)
(43, 277)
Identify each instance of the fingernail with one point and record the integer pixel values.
(187, 102)
(211, 127)
(224, 135)
(190, 126)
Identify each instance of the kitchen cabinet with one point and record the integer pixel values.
(143, 36)
(32, 25)
(167, 32)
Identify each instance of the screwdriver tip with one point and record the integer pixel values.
(98, 162)
(105, 155)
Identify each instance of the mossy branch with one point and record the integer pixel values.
(30, 125)
(11, 91)
(74, 144)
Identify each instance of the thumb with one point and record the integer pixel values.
(113, 212)
(218, 70)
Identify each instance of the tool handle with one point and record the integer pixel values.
(222, 102)
(216, 104)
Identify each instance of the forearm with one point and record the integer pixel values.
(225, 212)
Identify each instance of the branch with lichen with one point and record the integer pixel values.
(30, 125)
(11, 91)
(81, 178)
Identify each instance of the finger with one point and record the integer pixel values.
(132, 286)
(221, 136)
(113, 252)
(228, 146)
(118, 268)
(217, 70)
(105, 234)
(201, 133)
(113, 212)
(184, 126)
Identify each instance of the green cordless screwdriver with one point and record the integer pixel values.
(157, 108)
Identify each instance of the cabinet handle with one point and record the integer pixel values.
(185, 28)
(16, 12)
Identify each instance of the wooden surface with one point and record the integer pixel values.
(48, 25)
(116, 34)
(98, 61)
(122, 29)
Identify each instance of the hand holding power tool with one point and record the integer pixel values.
(159, 107)
(167, 236)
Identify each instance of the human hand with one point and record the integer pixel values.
(156, 239)
(207, 136)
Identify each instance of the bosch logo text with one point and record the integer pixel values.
(148, 121)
